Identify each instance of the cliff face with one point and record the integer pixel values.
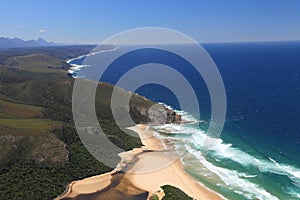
(157, 115)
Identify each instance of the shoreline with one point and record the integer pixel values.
(153, 169)
(76, 67)
(90, 54)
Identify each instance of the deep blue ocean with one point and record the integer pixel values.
(258, 152)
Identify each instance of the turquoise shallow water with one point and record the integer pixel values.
(230, 171)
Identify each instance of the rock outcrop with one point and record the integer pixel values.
(158, 114)
(65, 66)
(173, 117)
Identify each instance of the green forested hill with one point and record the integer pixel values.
(40, 152)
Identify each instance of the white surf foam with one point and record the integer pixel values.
(75, 68)
(221, 150)
(91, 54)
(233, 179)
(224, 150)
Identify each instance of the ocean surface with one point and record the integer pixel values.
(257, 155)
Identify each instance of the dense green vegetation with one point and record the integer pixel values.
(154, 197)
(14, 110)
(172, 193)
(40, 151)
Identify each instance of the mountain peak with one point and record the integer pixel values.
(42, 41)
(17, 42)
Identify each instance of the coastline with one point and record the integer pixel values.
(91, 54)
(76, 67)
(141, 173)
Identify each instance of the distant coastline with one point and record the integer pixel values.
(74, 68)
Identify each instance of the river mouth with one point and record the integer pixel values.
(119, 188)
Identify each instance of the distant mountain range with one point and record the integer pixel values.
(17, 42)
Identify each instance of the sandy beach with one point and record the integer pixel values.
(171, 173)
(153, 169)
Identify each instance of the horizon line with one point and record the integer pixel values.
(201, 42)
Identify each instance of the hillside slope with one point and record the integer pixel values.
(40, 151)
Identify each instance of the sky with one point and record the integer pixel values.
(92, 21)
